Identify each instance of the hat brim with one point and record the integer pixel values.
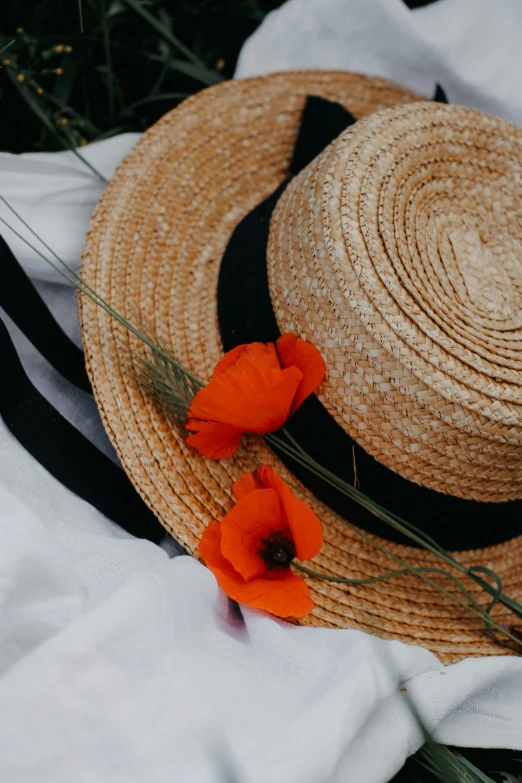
(153, 252)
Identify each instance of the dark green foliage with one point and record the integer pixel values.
(134, 60)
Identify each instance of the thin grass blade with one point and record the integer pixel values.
(34, 104)
(200, 70)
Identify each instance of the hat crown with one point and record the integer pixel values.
(397, 252)
(490, 275)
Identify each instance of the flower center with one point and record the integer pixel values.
(278, 550)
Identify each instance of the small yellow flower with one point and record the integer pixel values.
(39, 90)
(220, 63)
(64, 121)
(20, 77)
(59, 48)
(58, 71)
(19, 29)
(68, 49)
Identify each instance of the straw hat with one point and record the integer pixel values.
(397, 253)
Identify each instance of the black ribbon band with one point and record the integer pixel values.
(22, 303)
(58, 446)
(245, 315)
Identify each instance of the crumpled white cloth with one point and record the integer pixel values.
(120, 663)
(55, 193)
(470, 47)
(160, 679)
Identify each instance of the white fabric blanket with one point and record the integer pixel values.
(119, 662)
(470, 47)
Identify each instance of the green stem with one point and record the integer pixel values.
(357, 495)
(300, 456)
(407, 569)
(3, 49)
(34, 104)
(173, 40)
(80, 13)
(479, 612)
(108, 58)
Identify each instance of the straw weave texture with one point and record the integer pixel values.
(398, 255)
(377, 256)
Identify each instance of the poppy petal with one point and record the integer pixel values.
(304, 524)
(296, 352)
(261, 353)
(257, 399)
(243, 529)
(213, 439)
(283, 594)
(287, 595)
(210, 551)
(228, 360)
(247, 483)
(252, 352)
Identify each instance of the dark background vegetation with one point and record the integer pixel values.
(73, 71)
(134, 60)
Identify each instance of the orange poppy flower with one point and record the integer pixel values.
(254, 388)
(250, 551)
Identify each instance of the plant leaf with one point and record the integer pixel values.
(35, 105)
(163, 96)
(7, 46)
(64, 84)
(449, 766)
(204, 74)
